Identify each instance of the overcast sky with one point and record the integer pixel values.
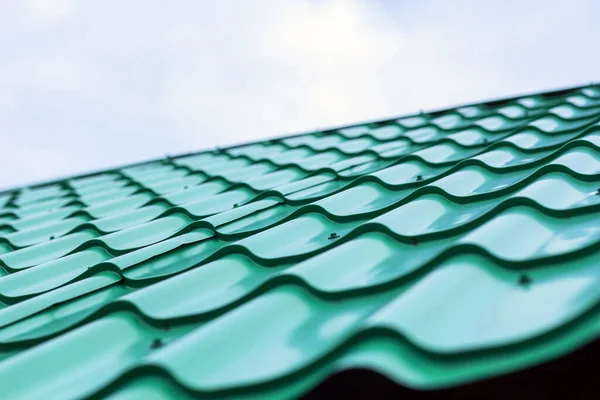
(86, 85)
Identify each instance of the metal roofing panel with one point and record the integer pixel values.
(436, 249)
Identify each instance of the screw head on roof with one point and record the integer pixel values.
(51, 237)
(419, 178)
(236, 205)
(525, 280)
(333, 236)
(484, 140)
(598, 192)
(157, 343)
(185, 187)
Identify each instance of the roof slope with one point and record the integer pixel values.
(436, 249)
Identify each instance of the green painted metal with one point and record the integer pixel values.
(437, 249)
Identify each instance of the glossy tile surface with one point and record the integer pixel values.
(437, 249)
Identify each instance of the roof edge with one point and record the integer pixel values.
(551, 92)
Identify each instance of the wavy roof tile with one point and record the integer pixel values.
(437, 250)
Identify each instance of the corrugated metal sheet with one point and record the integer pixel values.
(436, 249)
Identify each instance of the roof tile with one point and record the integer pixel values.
(437, 249)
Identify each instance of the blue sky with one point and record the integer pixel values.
(86, 85)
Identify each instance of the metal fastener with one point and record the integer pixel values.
(333, 236)
(525, 280)
(157, 343)
(419, 178)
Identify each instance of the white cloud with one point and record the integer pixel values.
(101, 83)
(50, 11)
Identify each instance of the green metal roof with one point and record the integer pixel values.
(436, 249)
